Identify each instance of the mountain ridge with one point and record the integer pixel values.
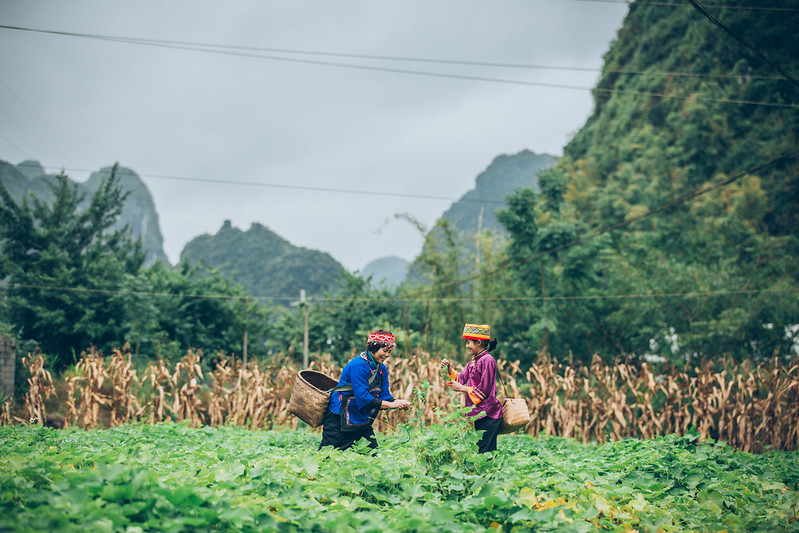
(257, 257)
(264, 263)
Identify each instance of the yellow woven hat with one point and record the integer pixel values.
(477, 332)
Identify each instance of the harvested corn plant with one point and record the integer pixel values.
(40, 388)
(751, 407)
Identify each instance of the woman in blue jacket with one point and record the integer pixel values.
(362, 391)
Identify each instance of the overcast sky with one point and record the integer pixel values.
(259, 132)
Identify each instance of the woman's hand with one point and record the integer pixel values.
(397, 404)
(445, 365)
(457, 387)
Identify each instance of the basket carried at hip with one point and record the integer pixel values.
(515, 413)
(310, 396)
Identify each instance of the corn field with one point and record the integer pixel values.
(751, 407)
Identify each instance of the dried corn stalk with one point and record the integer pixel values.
(124, 382)
(158, 377)
(40, 388)
(6, 407)
(186, 382)
(91, 375)
(750, 407)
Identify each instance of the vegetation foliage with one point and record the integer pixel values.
(171, 477)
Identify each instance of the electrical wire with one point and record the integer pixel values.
(193, 45)
(13, 145)
(209, 49)
(41, 120)
(518, 263)
(441, 299)
(715, 20)
(299, 187)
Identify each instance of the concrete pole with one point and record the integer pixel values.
(305, 336)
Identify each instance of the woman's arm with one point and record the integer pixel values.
(396, 404)
(474, 386)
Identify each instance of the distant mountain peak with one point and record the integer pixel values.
(389, 270)
(263, 262)
(475, 210)
(31, 168)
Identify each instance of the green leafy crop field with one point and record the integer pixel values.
(171, 477)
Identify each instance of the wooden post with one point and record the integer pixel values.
(545, 347)
(244, 340)
(305, 336)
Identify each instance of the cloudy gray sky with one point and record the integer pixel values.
(251, 130)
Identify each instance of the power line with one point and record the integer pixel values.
(696, 97)
(210, 49)
(13, 145)
(57, 288)
(443, 299)
(38, 117)
(299, 187)
(607, 229)
(715, 20)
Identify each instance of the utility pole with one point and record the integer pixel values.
(244, 340)
(305, 335)
(477, 237)
(545, 348)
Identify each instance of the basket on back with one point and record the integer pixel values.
(310, 395)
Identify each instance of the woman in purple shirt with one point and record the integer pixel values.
(479, 383)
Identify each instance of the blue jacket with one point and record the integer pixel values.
(365, 403)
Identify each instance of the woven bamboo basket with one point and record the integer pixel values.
(515, 414)
(310, 395)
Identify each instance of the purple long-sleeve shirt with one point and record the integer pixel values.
(480, 375)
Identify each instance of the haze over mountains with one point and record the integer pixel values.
(263, 262)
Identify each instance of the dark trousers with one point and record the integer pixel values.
(490, 428)
(333, 436)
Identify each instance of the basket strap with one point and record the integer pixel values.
(502, 382)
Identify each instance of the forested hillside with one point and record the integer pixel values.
(671, 225)
(263, 263)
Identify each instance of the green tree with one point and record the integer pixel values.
(439, 299)
(551, 270)
(63, 266)
(193, 306)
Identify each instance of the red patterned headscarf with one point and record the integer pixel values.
(386, 339)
